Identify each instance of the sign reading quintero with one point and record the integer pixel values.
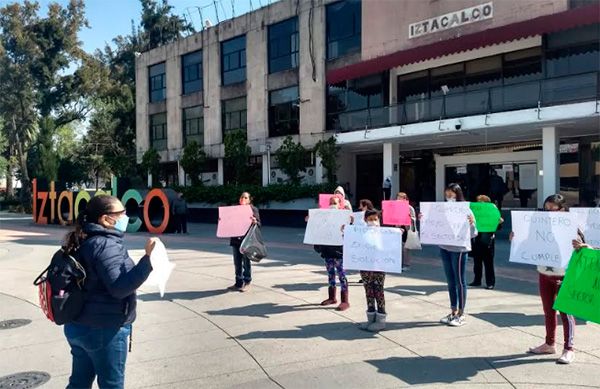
(48, 208)
(450, 20)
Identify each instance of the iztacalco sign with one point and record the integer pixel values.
(451, 20)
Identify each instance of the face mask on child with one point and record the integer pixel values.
(451, 199)
(373, 223)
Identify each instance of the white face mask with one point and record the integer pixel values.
(373, 224)
(450, 199)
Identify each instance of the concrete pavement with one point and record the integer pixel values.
(276, 335)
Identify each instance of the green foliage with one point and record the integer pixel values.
(328, 151)
(229, 194)
(159, 25)
(291, 159)
(237, 153)
(192, 161)
(151, 164)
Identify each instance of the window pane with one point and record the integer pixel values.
(343, 25)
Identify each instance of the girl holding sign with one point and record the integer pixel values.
(454, 259)
(413, 221)
(242, 264)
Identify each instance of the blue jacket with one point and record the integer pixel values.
(112, 278)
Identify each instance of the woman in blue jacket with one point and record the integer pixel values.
(98, 336)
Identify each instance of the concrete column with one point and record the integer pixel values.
(550, 161)
(256, 98)
(212, 93)
(142, 128)
(390, 165)
(266, 170)
(220, 172)
(174, 121)
(318, 170)
(180, 174)
(149, 180)
(440, 178)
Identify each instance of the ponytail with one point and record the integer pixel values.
(73, 239)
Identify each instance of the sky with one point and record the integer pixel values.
(109, 18)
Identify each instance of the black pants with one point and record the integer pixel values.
(483, 255)
(180, 223)
(243, 267)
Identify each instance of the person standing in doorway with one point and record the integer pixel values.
(179, 209)
(242, 264)
(386, 187)
(498, 188)
(484, 247)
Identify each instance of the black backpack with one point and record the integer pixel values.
(61, 288)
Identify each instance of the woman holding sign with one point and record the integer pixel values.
(454, 259)
(243, 267)
(413, 226)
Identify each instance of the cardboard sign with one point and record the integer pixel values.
(542, 238)
(324, 200)
(325, 226)
(589, 223)
(359, 218)
(579, 293)
(234, 221)
(446, 224)
(396, 212)
(487, 216)
(373, 249)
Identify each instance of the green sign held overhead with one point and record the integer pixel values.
(487, 216)
(579, 293)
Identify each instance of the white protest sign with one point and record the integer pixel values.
(359, 218)
(542, 238)
(161, 268)
(373, 249)
(325, 226)
(589, 223)
(446, 224)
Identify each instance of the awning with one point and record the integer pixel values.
(541, 25)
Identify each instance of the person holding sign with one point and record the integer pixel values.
(550, 280)
(454, 259)
(242, 264)
(373, 282)
(345, 203)
(413, 226)
(484, 247)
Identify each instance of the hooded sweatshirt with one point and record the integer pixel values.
(341, 191)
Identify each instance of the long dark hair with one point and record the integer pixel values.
(457, 191)
(557, 199)
(96, 207)
(367, 204)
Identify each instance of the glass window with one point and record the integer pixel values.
(522, 65)
(343, 28)
(193, 125)
(191, 67)
(233, 114)
(233, 60)
(284, 43)
(451, 76)
(158, 131)
(483, 73)
(158, 82)
(284, 112)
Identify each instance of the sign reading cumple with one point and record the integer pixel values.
(63, 208)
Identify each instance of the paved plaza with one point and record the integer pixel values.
(277, 336)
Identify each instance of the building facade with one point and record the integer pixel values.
(423, 92)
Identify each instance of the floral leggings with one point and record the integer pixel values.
(333, 264)
(373, 282)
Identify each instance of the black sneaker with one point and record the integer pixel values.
(475, 283)
(490, 287)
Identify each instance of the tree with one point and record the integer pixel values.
(159, 25)
(237, 153)
(291, 159)
(192, 161)
(328, 151)
(151, 164)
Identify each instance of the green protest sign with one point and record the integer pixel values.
(579, 293)
(487, 216)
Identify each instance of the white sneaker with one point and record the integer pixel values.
(457, 321)
(566, 358)
(447, 319)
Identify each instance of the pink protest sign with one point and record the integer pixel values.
(234, 221)
(324, 200)
(395, 212)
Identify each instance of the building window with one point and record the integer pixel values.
(157, 82)
(573, 51)
(233, 114)
(191, 67)
(343, 28)
(233, 60)
(284, 43)
(522, 66)
(284, 112)
(193, 125)
(158, 131)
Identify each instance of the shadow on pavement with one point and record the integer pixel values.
(435, 370)
(413, 290)
(511, 319)
(262, 310)
(188, 295)
(301, 287)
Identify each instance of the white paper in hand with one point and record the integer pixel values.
(161, 268)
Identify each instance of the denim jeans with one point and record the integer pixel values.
(243, 267)
(98, 352)
(455, 269)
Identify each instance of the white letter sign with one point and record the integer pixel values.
(446, 224)
(589, 223)
(325, 226)
(373, 249)
(542, 238)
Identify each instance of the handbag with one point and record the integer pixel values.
(253, 246)
(412, 239)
